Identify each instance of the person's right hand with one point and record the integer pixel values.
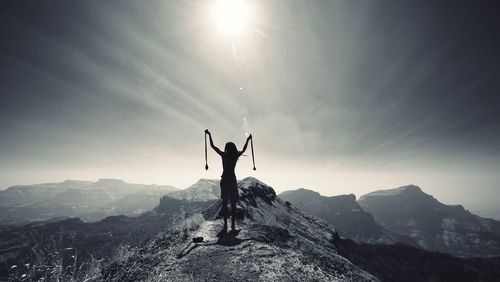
(206, 131)
(250, 136)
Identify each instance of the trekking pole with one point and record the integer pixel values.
(206, 160)
(253, 157)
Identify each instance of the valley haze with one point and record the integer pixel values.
(488, 211)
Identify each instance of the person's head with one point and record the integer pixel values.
(231, 149)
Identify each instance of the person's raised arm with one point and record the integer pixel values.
(212, 143)
(246, 144)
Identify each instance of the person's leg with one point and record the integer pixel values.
(233, 214)
(224, 212)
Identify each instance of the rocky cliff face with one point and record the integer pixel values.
(433, 225)
(343, 212)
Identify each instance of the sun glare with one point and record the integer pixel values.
(232, 17)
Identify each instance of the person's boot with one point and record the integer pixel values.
(234, 232)
(223, 232)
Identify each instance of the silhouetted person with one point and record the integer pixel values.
(228, 185)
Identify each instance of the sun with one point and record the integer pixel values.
(232, 17)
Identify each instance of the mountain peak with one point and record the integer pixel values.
(203, 190)
(204, 180)
(251, 188)
(411, 187)
(301, 192)
(407, 189)
(248, 181)
(349, 197)
(110, 181)
(73, 181)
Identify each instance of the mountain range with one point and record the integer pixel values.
(345, 214)
(431, 224)
(390, 235)
(90, 201)
(403, 215)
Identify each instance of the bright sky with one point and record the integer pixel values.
(341, 96)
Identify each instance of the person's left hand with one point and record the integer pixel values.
(250, 136)
(206, 131)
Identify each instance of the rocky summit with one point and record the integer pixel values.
(273, 242)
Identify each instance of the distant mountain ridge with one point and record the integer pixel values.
(89, 200)
(343, 212)
(402, 215)
(203, 190)
(409, 211)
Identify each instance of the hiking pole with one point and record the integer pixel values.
(253, 157)
(206, 160)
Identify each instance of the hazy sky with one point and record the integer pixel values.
(341, 96)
